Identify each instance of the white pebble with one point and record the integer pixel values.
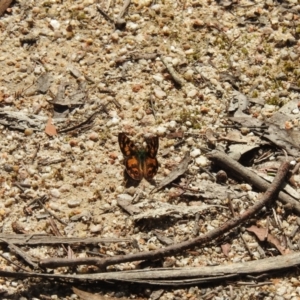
(172, 125)
(115, 121)
(188, 75)
(90, 145)
(95, 228)
(66, 187)
(74, 169)
(74, 203)
(55, 193)
(195, 153)
(124, 197)
(202, 161)
(160, 94)
(132, 26)
(54, 24)
(295, 111)
(66, 148)
(158, 77)
(156, 8)
(160, 130)
(192, 93)
(115, 36)
(55, 206)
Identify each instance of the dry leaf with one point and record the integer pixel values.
(261, 233)
(276, 243)
(4, 5)
(50, 129)
(226, 248)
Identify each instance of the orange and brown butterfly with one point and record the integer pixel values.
(139, 162)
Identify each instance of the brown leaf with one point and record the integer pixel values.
(261, 233)
(50, 129)
(4, 4)
(226, 248)
(276, 243)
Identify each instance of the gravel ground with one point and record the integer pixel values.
(92, 66)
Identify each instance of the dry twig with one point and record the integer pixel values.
(269, 195)
(236, 168)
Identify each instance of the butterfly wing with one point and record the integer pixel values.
(133, 168)
(152, 146)
(150, 165)
(127, 146)
(132, 161)
(150, 168)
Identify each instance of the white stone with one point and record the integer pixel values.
(195, 153)
(192, 93)
(55, 24)
(95, 228)
(55, 193)
(202, 161)
(158, 77)
(74, 203)
(124, 197)
(172, 124)
(161, 130)
(160, 94)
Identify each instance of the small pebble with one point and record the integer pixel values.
(161, 130)
(192, 93)
(202, 161)
(54, 24)
(94, 136)
(90, 145)
(74, 202)
(95, 228)
(125, 197)
(28, 131)
(195, 153)
(160, 94)
(55, 193)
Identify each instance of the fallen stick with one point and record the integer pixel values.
(181, 276)
(233, 166)
(269, 195)
(44, 239)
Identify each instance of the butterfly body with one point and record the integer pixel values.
(139, 162)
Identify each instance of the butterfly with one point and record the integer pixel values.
(139, 162)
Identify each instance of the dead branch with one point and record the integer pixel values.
(269, 195)
(180, 276)
(120, 22)
(233, 166)
(176, 77)
(44, 239)
(85, 122)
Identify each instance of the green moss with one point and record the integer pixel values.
(273, 101)
(245, 51)
(47, 4)
(254, 94)
(289, 66)
(78, 15)
(186, 115)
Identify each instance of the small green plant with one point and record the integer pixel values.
(186, 115)
(274, 101)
